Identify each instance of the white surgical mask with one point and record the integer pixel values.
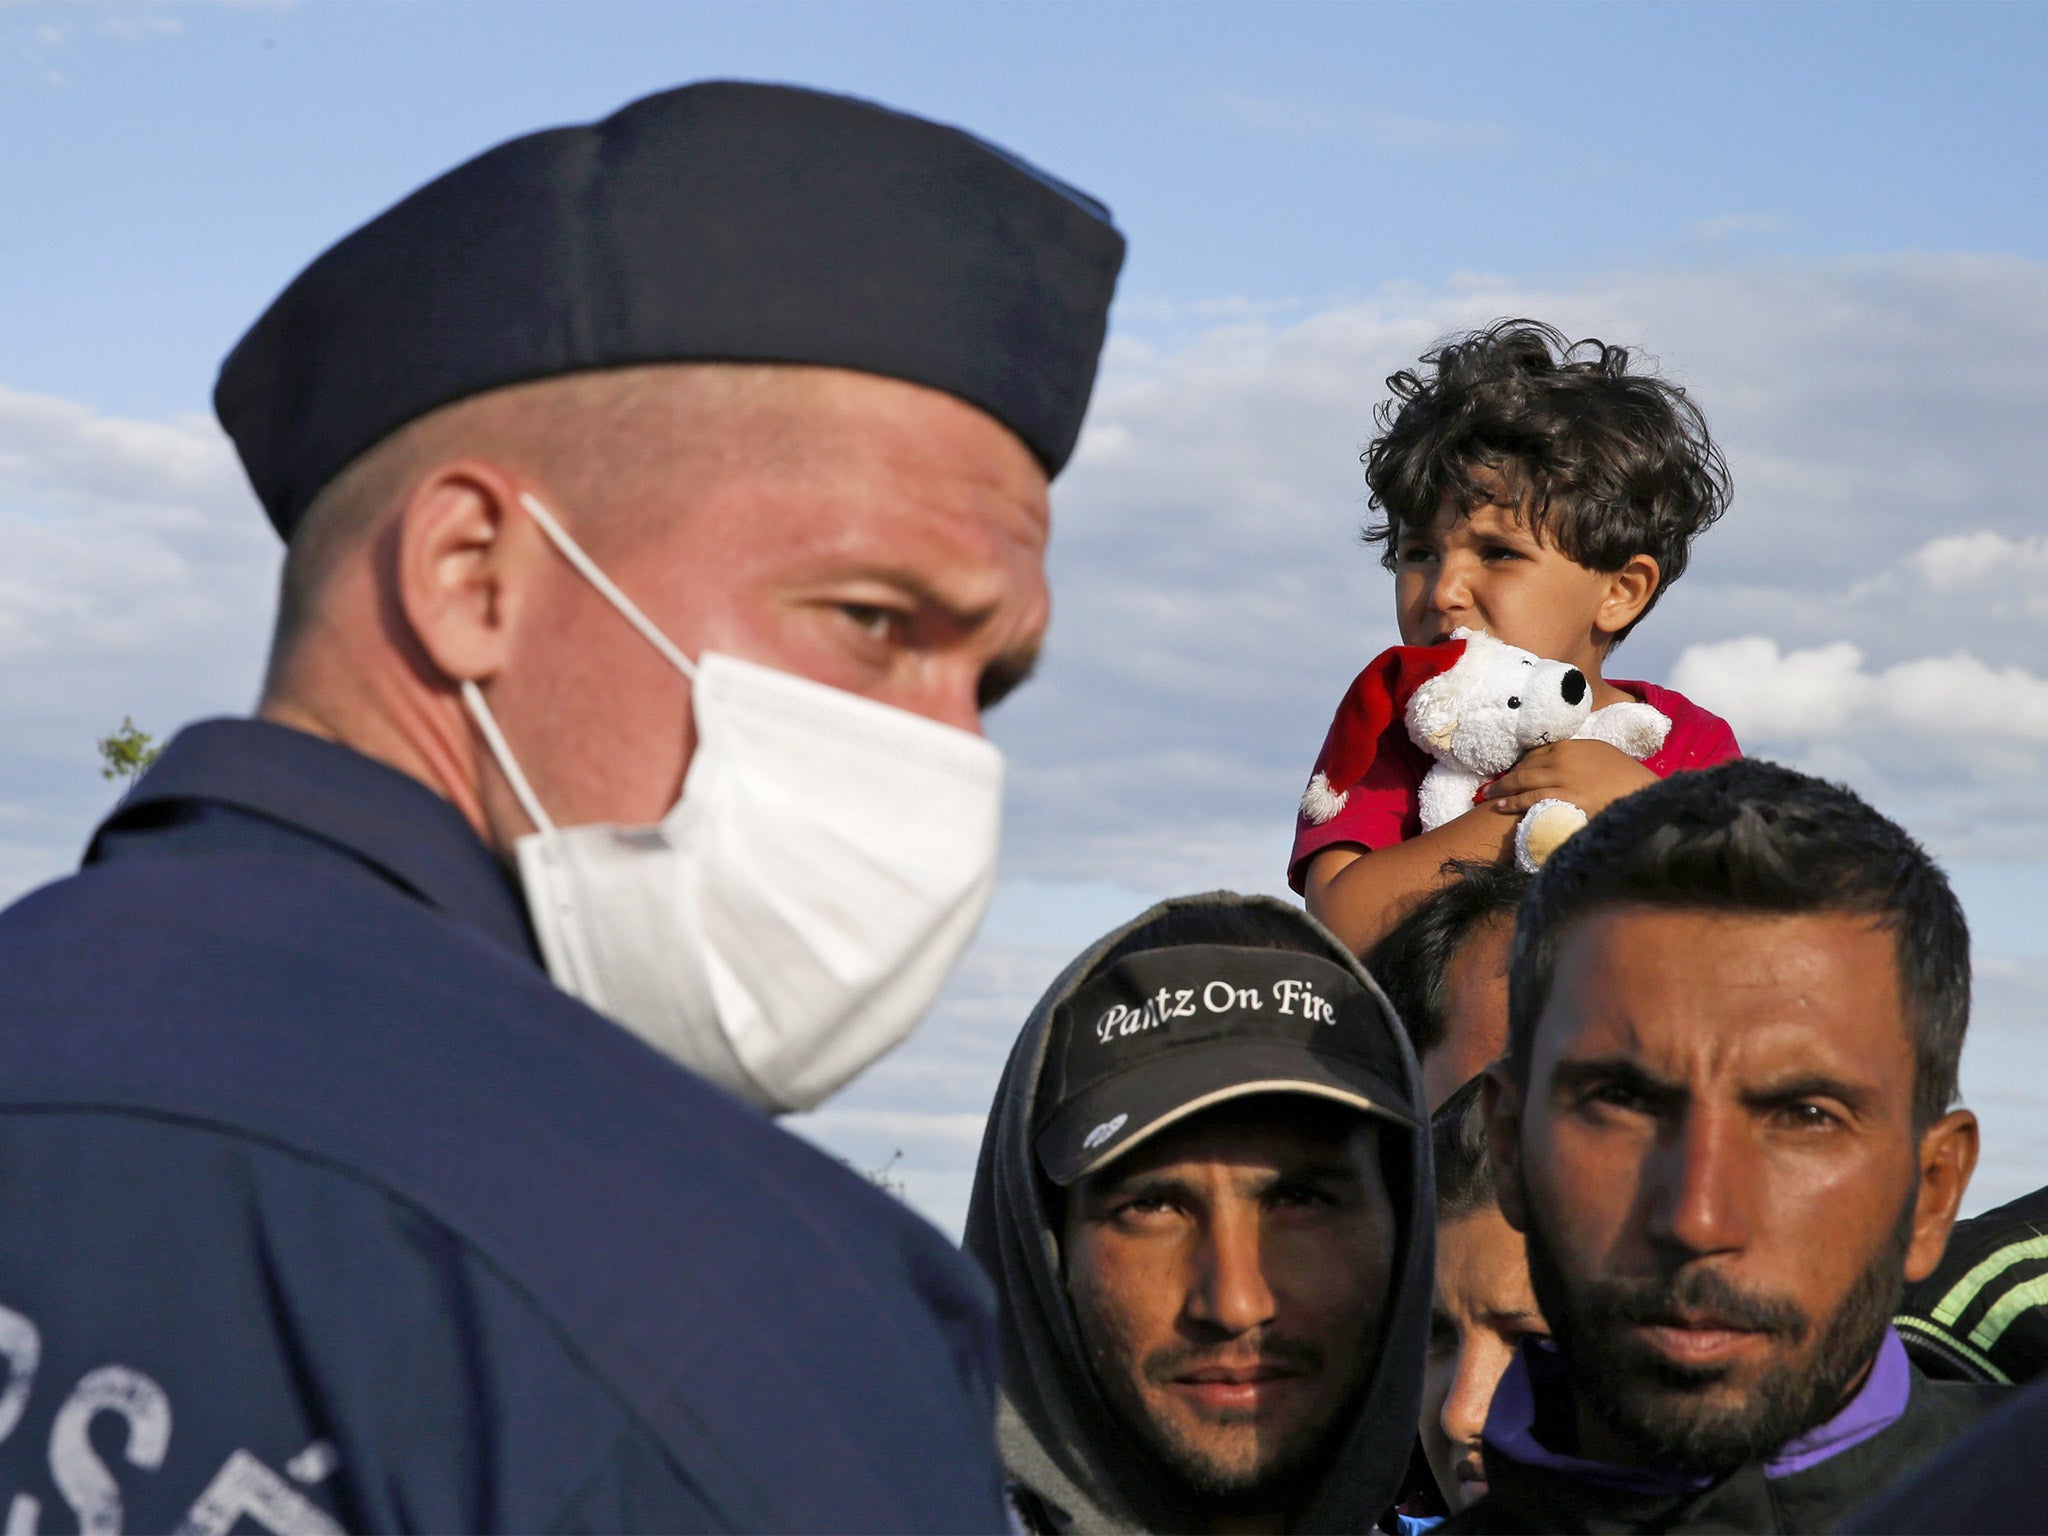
(794, 915)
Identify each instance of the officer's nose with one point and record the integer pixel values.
(1573, 686)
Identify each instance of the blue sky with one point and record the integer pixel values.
(168, 167)
(1826, 221)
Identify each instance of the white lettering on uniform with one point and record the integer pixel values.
(88, 1487)
(21, 1347)
(245, 1486)
(314, 1463)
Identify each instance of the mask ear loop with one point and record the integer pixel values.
(587, 569)
(494, 738)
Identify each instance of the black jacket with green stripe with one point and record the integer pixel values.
(1983, 1314)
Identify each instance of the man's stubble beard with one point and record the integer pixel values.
(1259, 1482)
(1652, 1403)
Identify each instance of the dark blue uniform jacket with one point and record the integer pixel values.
(320, 1206)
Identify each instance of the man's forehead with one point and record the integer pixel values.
(1685, 991)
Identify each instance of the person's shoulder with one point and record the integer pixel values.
(1952, 1406)
(639, 1210)
(1985, 1478)
(344, 1019)
(1699, 738)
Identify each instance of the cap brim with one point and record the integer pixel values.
(1109, 1119)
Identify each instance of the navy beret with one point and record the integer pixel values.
(720, 221)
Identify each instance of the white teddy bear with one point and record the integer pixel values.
(1498, 702)
(1476, 705)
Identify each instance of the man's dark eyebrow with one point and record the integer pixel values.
(1316, 1173)
(1573, 1077)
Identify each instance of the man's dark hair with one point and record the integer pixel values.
(1753, 837)
(1412, 963)
(1607, 464)
(1457, 1140)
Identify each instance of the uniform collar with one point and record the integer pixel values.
(387, 819)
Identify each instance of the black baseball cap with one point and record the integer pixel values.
(1165, 1033)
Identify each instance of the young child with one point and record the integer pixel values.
(1537, 490)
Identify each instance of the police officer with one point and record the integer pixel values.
(381, 1132)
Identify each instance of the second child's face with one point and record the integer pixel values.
(1482, 1310)
(1489, 571)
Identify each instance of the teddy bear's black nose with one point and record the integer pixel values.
(1573, 686)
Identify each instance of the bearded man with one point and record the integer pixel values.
(1724, 1125)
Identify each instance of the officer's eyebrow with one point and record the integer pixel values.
(967, 612)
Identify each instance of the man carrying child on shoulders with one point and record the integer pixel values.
(1537, 491)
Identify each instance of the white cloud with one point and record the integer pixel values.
(1956, 703)
(2005, 1062)
(1984, 563)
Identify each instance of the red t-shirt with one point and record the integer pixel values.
(1385, 808)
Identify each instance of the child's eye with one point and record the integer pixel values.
(1500, 552)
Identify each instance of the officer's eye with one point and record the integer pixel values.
(876, 622)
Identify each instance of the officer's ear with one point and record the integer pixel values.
(461, 548)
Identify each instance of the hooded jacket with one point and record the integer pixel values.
(1072, 1464)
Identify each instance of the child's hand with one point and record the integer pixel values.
(1590, 774)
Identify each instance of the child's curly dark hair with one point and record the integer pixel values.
(1606, 464)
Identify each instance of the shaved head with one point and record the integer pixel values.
(609, 444)
(865, 532)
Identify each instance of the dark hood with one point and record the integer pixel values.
(1058, 1436)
